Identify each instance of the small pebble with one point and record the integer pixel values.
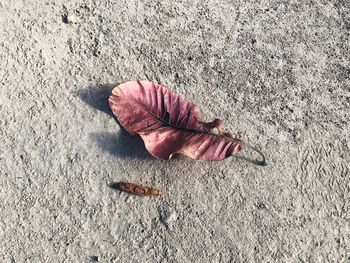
(128, 199)
(169, 218)
(72, 19)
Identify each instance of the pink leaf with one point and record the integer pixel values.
(168, 123)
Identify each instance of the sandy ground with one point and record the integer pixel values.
(277, 73)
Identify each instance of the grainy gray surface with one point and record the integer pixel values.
(277, 72)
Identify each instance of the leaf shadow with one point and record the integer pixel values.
(97, 97)
(120, 144)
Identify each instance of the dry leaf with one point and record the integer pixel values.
(168, 123)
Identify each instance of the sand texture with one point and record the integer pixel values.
(276, 72)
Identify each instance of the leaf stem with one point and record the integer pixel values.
(257, 162)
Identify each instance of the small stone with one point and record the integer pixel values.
(166, 220)
(129, 199)
(72, 19)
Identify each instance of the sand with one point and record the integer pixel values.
(276, 72)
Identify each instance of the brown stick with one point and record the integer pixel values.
(136, 189)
